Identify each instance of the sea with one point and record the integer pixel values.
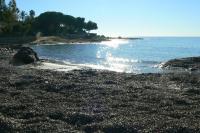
(145, 55)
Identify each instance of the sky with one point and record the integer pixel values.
(128, 18)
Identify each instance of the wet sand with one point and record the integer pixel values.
(33, 100)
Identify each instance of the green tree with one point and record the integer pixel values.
(23, 15)
(56, 23)
(49, 22)
(12, 6)
(2, 9)
(12, 22)
(2, 5)
(79, 24)
(32, 14)
(91, 26)
(28, 23)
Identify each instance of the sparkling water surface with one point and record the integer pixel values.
(121, 55)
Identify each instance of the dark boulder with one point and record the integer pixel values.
(25, 55)
(191, 63)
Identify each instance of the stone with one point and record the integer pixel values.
(24, 56)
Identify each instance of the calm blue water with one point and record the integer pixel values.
(131, 56)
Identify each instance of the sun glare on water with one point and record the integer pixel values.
(112, 62)
(114, 43)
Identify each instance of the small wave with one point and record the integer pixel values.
(57, 67)
(110, 63)
(110, 58)
(65, 66)
(149, 62)
(122, 60)
(160, 65)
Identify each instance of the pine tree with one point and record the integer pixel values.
(2, 5)
(2, 9)
(32, 14)
(23, 15)
(12, 6)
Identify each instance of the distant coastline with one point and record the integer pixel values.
(48, 40)
(30, 40)
(127, 38)
(62, 40)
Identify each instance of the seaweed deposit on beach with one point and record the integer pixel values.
(90, 101)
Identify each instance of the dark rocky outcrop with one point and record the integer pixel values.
(25, 55)
(191, 63)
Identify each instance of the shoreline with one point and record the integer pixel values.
(28, 41)
(60, 40)
(91, 101)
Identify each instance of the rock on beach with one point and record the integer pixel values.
(25, 55)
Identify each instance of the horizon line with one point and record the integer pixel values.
(152, 36)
